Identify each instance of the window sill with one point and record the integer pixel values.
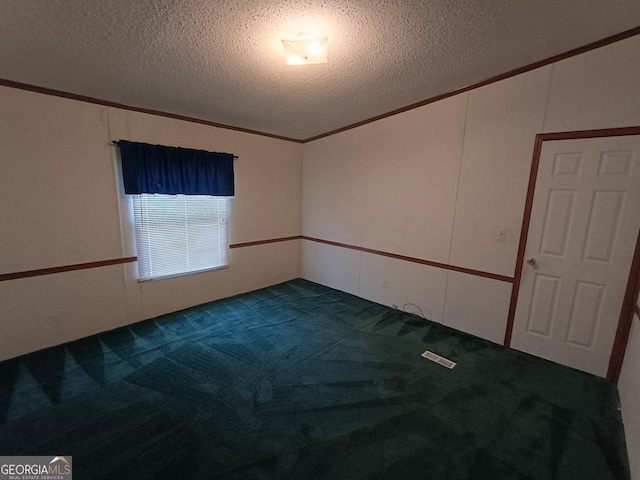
(183, 274)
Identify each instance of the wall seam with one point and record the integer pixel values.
(455, 206)
(113, 158)
(300, 213)
(548, 102)
(362, 218)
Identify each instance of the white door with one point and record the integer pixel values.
(582, 234)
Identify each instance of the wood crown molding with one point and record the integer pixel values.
(512, 73)
(541, 63)
(159, 113)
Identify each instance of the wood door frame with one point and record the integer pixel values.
(633, 283)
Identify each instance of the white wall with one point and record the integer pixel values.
(629, 388)
(433, 183)
(438, 182)
(59, 189)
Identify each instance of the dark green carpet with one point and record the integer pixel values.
(299, 381)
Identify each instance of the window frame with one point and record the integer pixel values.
(135, 239)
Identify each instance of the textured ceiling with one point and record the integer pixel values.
(222, 60)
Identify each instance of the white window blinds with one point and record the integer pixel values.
(178, 234)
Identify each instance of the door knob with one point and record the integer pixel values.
(531, 261)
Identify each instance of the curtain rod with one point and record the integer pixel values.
(115, 142)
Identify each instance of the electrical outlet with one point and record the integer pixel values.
(385, 284)
(54, 320)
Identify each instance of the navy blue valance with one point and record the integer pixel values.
(173, 170)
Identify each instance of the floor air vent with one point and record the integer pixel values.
(434, 357)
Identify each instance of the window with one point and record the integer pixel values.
(180, 207)
(178, 234)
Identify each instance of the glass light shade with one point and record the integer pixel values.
(307, 51)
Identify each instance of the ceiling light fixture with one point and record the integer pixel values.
(305, 50)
